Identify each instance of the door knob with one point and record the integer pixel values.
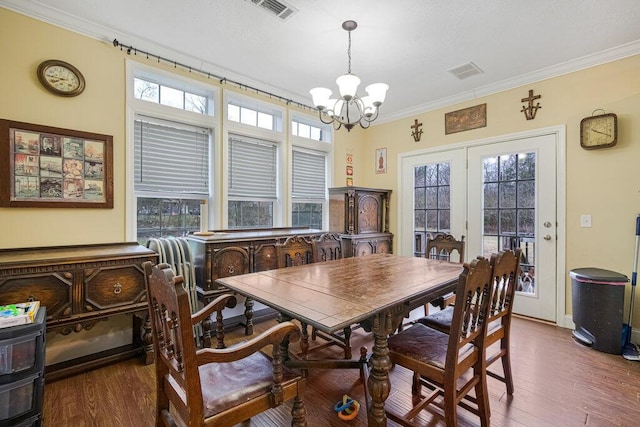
(547, 224)
(547, 237)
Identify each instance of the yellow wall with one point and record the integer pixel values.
(603, 183)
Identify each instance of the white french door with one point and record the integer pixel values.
(512, 203)
(502, 196)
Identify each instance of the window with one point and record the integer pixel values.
(304, 130)
(171, 176)
(251, 117)
(308, 187)
(160, 94)
(307, 128)
(253, 178)
(431, 203)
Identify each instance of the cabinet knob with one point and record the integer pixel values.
(117, 288)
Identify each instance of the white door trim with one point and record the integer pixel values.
(405, 195)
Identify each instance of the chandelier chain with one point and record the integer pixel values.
(349, 54)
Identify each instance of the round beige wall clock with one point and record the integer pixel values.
(61, 78)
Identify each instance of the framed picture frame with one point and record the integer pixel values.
(466, 119)
(48, 167)
(381, 160)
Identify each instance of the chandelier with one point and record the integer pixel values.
(349, 109)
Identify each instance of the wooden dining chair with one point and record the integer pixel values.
(213, 387)
(444, 247)
(451, 365)
(505, 278)
(295, 250)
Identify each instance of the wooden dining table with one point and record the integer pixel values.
(377, 291)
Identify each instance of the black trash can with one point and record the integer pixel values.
(598, 304)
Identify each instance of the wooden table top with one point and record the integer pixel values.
(332, 295)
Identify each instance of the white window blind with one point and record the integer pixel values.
(252, 168)
(171, 158)
(309, 176)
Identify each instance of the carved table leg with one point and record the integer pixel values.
(378, 382)
(347, 342)
(248, 314)
(304, 340)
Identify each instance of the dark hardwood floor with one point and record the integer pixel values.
(558, 383)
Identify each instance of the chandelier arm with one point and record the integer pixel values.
(320, 117)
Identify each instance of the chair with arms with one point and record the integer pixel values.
(505, 277)
(450, 365)
(442, 247)
(214, 387)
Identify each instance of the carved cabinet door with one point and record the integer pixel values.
(113, 286)
(369, 213)
(230, 261)
(53, 290)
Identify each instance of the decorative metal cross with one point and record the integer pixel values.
(416, 133)
(531, 110)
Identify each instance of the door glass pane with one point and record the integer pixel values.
(509, 210)
(431, 203)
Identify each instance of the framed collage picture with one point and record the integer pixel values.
(49, 167)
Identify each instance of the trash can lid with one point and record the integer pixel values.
(598, 275)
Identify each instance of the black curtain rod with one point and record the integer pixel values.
(223, 80)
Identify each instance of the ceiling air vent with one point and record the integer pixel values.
(276, 8)
(465, 70)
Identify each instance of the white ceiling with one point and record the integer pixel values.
(409, 44)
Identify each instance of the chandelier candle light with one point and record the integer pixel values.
(349, 110)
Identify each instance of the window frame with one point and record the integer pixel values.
(277, 136)
(325, 146)
(137, 107)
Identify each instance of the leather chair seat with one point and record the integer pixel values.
(411, 343)
(225, 385)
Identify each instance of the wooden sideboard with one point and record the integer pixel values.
(361, 216)
(81, 285)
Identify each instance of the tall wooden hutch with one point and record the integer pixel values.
(361, 216)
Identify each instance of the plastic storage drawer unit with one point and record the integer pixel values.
(598, 303)
(20, 397)
(22, 350)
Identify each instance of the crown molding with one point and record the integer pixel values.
(584, 62)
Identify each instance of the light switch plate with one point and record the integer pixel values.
(585, 221)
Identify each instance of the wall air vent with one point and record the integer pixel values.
(277, 8)
(465, 70)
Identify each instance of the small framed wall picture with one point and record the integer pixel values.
(381, 160)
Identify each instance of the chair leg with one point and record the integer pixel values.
(482, 400)
(298, 412)
(416, 389)
(450, 406)
(506, 367)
